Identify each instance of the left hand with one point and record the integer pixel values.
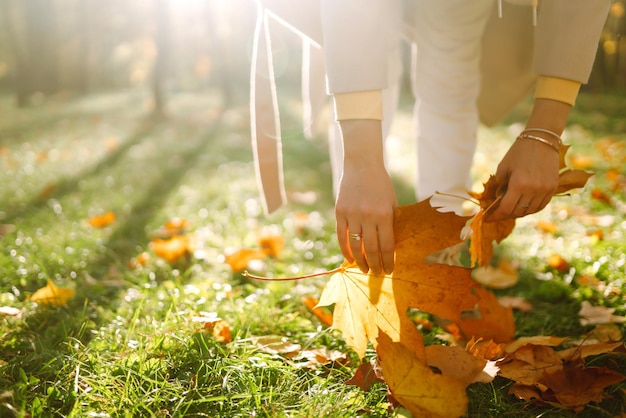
(531, 170)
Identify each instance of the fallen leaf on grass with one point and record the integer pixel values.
(558, 263)
(516, 302)
(601, 196)
(52, 295)
(316, 357)
(503, 276)
(100, 221)
(545, 340)
(174, 248)
(272, 244)
(460, 364)
(585, 350)
(219, 328)
(366, 375)
(415, 386)
(528, 364)
(592, 315)
(324, 315)
(278, 345)
(239, 259)
(575, 387)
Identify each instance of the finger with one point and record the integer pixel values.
(386, 244)
(342, 238)
(355, 242)
(371, 249)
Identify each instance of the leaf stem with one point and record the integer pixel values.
(280, 279)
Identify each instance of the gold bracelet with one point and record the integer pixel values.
(545, 131)
(543, 141)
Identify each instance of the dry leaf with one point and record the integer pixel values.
(488, 350)
(516, 302)
(528, 364)
(592, 315)
(366, 375)
(415, 386)
(272, 244)
(52, 295)
(278, 345)
(574, 387)
(174, 248)
(586, 350)
(536, 340)
(238, 260)
(324, 315)
(100, 221)
(503, 276)
(485, 233)
(558, 263)
(320, 356)
(460, 364)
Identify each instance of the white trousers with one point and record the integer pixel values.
(446, 82)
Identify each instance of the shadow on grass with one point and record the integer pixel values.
(69, 185)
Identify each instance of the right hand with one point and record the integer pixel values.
(366, 199)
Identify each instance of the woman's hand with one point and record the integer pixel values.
(366, 199)
(531, 168)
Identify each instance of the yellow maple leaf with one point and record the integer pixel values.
(365, 303)
(52, 295)
(424, 393)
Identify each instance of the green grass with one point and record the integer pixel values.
(126, 344)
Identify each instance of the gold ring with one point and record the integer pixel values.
(525, 207)
(356, 237)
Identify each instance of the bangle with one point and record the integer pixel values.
(544, 141)
(545, 131)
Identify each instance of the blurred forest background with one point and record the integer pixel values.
(61, 48)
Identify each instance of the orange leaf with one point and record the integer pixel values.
(558, 263)
(239, 259)
(272, 244)
(52, 295)
(100, 221)
(174, 248)
(364, 303)
(325, 317)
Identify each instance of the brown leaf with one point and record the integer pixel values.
(586, 350)
(239, 259)
(572, 179)
(415, 386)
(529, 363)
(577, 386)
(366, 375)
